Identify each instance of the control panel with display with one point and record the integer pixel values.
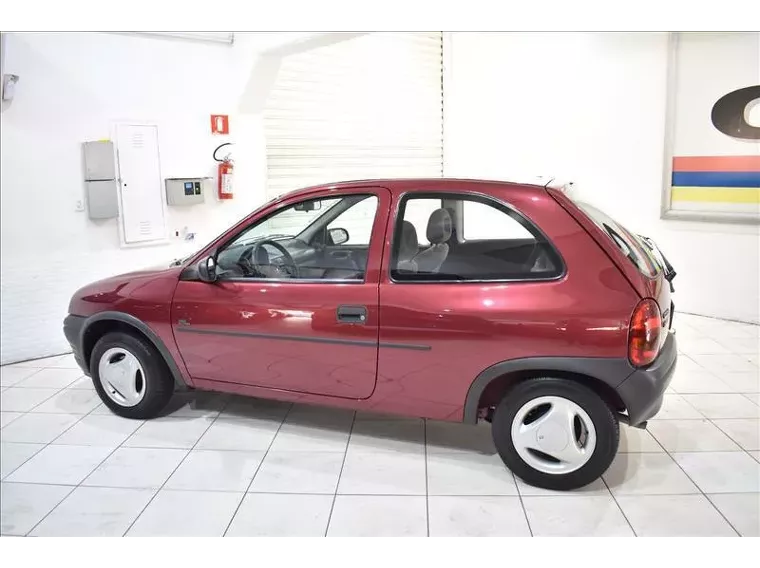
(185, 191)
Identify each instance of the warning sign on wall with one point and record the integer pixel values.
(220, 124)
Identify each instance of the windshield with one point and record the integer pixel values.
(639, 253)
(288, 223)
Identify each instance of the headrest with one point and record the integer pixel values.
(409, 245)
(439, 227)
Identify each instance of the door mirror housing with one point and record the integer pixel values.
(207, 269)
(338, 236)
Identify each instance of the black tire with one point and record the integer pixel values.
(159, 384)
(605, 423)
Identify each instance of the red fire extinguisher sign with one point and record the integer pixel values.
(220, 124)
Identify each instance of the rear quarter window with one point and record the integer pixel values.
(631, 246)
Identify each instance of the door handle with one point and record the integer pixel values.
(352, 314)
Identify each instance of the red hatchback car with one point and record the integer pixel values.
(447, 299)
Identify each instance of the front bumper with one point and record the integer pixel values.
(72, 329)
(642, 392)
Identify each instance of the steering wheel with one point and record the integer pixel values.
(256, 259)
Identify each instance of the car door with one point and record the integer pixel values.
(316, 333)
(449, 320)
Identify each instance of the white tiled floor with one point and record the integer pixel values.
(219, 465)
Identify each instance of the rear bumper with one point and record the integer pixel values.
(72, 329)
(642, 392)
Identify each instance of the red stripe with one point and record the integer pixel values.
(716, 164)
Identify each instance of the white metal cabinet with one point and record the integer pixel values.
(142, 209)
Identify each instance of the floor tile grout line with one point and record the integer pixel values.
(742, 448)
(80, 482)
(739, 450)
(494, 495)
(66, 386)
(340, 474)
(522, 503)
(44, 446)
(258, 468)
(707, 496)
(701, 492)
(15, 385)
(53, 413)
(702, 416)
(186, 448)
(53, 356)
(20, 414)
(31, 410)
(213, 418)
(73, 488)
(744, 394)
(144, 422)
(427, 481)
(681, 393)
(187, 453)
(618, 505)
(2, 479)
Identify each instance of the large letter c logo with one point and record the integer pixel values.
(728, 113)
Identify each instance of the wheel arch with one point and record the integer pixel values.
(603, 375)
(104, 322)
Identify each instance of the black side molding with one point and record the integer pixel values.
(611, 371)
(143, 328)
(185, 328)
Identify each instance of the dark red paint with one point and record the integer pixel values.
(467, 326)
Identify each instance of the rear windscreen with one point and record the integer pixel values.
(631, 245)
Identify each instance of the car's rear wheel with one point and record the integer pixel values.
(555, 433)
(130, 376)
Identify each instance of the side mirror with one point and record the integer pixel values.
(207, 269)
(338, 236)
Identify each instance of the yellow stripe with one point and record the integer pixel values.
(716, 194)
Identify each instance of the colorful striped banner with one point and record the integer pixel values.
(716, 164)
(716, 180)
(716, 194)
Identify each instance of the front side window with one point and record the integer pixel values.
(451, 237)
(319, 239)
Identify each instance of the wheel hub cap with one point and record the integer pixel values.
(551, 438)
(553, 435)
(122, 377)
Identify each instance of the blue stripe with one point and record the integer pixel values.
(716, 179)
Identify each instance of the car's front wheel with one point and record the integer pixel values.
(555, 433)
(130, 376)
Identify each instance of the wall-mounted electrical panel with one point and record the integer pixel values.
(100, 180)
(186, 191)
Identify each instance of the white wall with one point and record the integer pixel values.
(591, 108)
(73, 87)
(587, 106)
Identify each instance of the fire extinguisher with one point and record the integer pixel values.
(225, 170)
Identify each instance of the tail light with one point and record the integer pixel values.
(645, 333)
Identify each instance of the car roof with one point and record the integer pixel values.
(407, 185)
